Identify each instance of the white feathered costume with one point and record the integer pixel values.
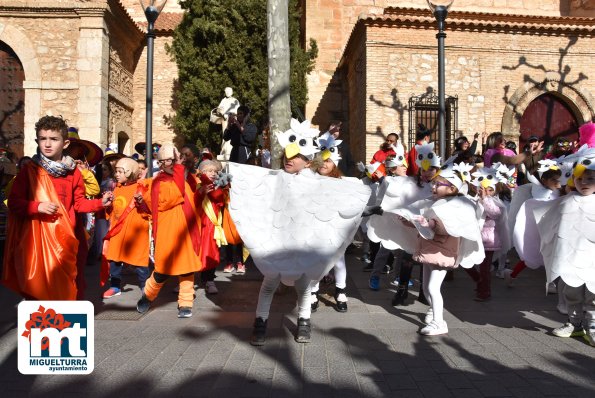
(400, 192)
(525, 201)
(567, 230)
(295, 224)
(459, 215)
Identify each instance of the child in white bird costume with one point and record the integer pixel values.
(447, 234)
(494, 232)
(295, 223)
(567, 230)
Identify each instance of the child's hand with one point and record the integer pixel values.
(424, 222)
(138, 198)
(47, 208)
(107, 199)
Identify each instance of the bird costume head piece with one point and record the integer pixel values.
(399, 159)
(299, 139)
(426, 157)
(487, 177)
(547, 164)
(329, 147)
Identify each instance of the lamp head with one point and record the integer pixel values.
(434, 4)
(152, 9)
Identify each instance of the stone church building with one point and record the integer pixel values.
(522, 67)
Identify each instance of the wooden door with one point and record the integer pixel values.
(12, 101)
(548, 117)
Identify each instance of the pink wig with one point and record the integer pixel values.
(587, 135)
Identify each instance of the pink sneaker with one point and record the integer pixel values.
(240, 268)
(228, 268)
(112, 292)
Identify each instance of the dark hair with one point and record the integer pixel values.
(244, 108)
(511, 145)
(194, 149)
(459, 143)
(395, 134)
(23, 160)
(52, 123)
(549, 174)
(422, 132)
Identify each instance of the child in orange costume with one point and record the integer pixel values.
(127, 241)
(176, 231)
(41, 249)
(210, 200)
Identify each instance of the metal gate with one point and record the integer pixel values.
(423, 109)
(12, 101)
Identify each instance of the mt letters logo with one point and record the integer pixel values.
(56, 337)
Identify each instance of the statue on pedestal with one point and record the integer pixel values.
(220, 115)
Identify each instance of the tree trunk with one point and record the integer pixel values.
(279, 64)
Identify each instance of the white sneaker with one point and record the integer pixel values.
(429, 317)
(568, 330)
(551, 288)
(434, 328)
(210, 288)
(562, 309)
(507, 275)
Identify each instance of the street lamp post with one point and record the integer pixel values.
(440, 10)
(152, 10)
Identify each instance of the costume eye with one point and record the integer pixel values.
(586, 162)
(430, 155)
(292, 138)
(480, 179)
(302, 142)
(400, 157)
(465, 173)
(322, 148)
(420, 157)
(568, 174)
(444, 167)
(490, 177)
(332, 150)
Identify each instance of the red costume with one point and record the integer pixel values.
(212, 232)
(41, 250)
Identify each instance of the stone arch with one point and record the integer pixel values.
(24, 49)
(579, 100)
(124, 143)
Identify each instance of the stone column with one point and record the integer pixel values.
(93, 70)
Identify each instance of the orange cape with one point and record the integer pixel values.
(40, 256)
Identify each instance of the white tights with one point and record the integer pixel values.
(267, 291)
(340, 275)
(433, 277)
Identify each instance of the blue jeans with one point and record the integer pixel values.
(115, 272)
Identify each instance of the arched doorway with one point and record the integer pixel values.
(12, 101)
(548, 117)
(123, 143)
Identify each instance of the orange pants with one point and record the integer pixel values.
(186, 294)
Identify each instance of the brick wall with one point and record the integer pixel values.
(485, 74)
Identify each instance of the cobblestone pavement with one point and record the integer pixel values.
(503, 347)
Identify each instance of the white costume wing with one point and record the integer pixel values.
(401, 192)
(567, 230)
(520, 196)
(525, 235)
(461, 218)
(294, 224)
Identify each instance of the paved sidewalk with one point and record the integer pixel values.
(499, 348)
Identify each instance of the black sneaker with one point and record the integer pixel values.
(143, 304)
(340, 300)
(259, 332)
(303, 331)
(400, 296)
(185, 312)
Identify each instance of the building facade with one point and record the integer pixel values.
(517, 66)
